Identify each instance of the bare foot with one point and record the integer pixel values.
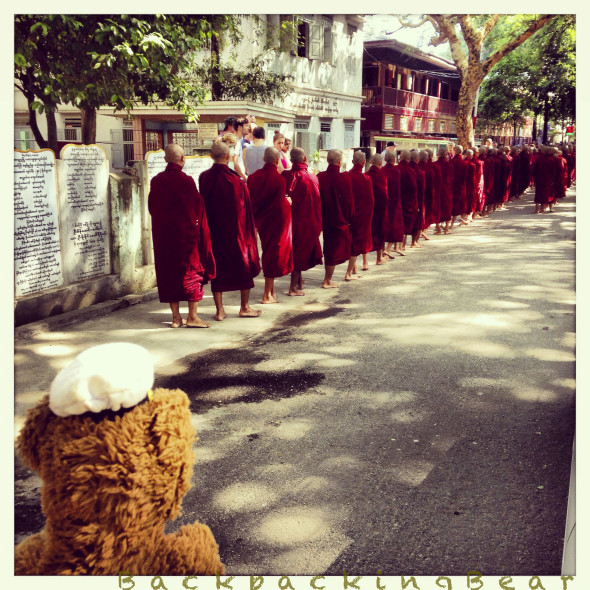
(269, 299)
(448, 231)
(250, 313)
(416, 245)
(463, 222)
(295, 293)
(177, 322)
(424, 236)
(197, 323)
(389, 255)
(365, 267)
(300, 284)
(330, 285)
(351, 278)
(354, 269)
(220, 316)
(437, 231)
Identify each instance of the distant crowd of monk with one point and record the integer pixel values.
(211, 234)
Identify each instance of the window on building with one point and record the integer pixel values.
(388, 122)
(417, 124)
(403, 123)
(371, 75)
(443, 126)
(23, 139)
(314, 37)
(73, 129)
(128, 153)
(187, 140)
(152, 141)
(454, 94)
(325, 135)
(349, 137)
(453, 127)
(431, 125)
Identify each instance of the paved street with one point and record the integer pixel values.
(417, 421)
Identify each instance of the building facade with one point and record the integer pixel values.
(322, 110)
(409, 97)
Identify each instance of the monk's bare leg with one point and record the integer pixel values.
(423, 234)
(245, 310)
(437, 230)
(463, 220)
(387, 251)
(328, 283)
(447, 228)
(365, 262)
(194, 321)
(218, 299)
(177, 320)
(415, 238)
(294, 289)
(301, 281)
(349, 276)
(269, 291)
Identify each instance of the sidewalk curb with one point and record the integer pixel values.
(79, 315)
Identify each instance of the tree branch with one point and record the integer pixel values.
(489, 25)
(489, 63)
(446, 26)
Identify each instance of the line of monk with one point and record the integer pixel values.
(212, 234)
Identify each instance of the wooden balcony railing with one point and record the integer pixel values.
(391, 97)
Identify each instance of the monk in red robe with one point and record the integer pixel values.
(479, 196)
(183, 254)
(506, 175)
(306, 211)
(570, 156)
(526, 171)
(272, 214)
(364, 202)
(561, 174)
(380, 207)
(459, 186)
(233, 233)
(337, 214)
(488, 182)
(420, 187)
(545, 174)
(394, 229)
(514, 154)
(471, 169)
(428, 192)
(446, 191)
(436, 187)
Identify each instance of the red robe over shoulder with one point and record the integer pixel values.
(459, 185)
(394, 229)
(506, 163)
(183, 254)
(306, 212)
(560, 176)
(436, 189)
(272, 214)
(364, 201)
(545, 173)
(488, 179)
(428, 193)
(337, 213)
(380, 207)
(515, 176)
(471, 169)
(421, 187)
(526, 172)
(446, 189)
(233, 233)
(479, 195)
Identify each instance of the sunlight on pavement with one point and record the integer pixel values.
(407, 416)
(569, 383)
(54, 349)
(244, 497)
(294, 526)
(413, 472)
(533, 394)
(337, 363)
(551, 355)
(504, 304)
(291, 430)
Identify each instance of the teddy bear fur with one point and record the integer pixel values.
(110, 483)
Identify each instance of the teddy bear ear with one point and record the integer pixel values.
(35, 433)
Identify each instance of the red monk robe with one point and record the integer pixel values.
(436, 189)
(421, 187)
(337, 213)
(571, 167)
(306, 211)
(364, 202)
(183, 254)
(479, 195)
(526, 171)
(428, 193)
(394, 229)
(459, 185)
(545, 174)
(471, 169)
(233, 233)
(506, 163)
(488, 180)
(498, 190)
(380, 207)
(446, 189)
(560, 176)
(272, 214)
(515, 176)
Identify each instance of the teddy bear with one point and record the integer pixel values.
(116, 460)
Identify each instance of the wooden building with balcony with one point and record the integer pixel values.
(409, 97)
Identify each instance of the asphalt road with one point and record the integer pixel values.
(417, 421)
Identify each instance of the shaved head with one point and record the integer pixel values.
(174, 153)
(359, 157)
(423, 156)
(220, 152)
(297, 155)
(376, 160)
(390, 156)
(271, 155)
(404, 155)
(334, 157)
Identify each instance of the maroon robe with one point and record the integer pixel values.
(272, 213)
(436, 191)
(479, 195)
(515, 176)
(560, 176)
(337, 214)
(424, 166)
(446, 189)
(471, 169)
(233, 233)
(364, 202)
(379, 220)
(183, 254)
(571, 168)
(498, 190)
(506, 164)
(459, 185)
(526, 172)
(545, 173)
(394, 230)
(421, 184)
(488, 179)
(306, 211)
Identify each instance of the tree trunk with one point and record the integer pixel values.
(41, 142)
(52, 131)
(546, 120)
(88, 115)
(464, 121)
(216, 90)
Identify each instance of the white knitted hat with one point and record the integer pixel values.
(105, 377)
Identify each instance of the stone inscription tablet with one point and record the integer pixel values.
(193, 165)
(86, 231)
(37, 252)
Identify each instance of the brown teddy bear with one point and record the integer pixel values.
(116, 460)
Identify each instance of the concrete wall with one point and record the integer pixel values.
(130, 252)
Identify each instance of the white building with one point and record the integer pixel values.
(321, 112)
